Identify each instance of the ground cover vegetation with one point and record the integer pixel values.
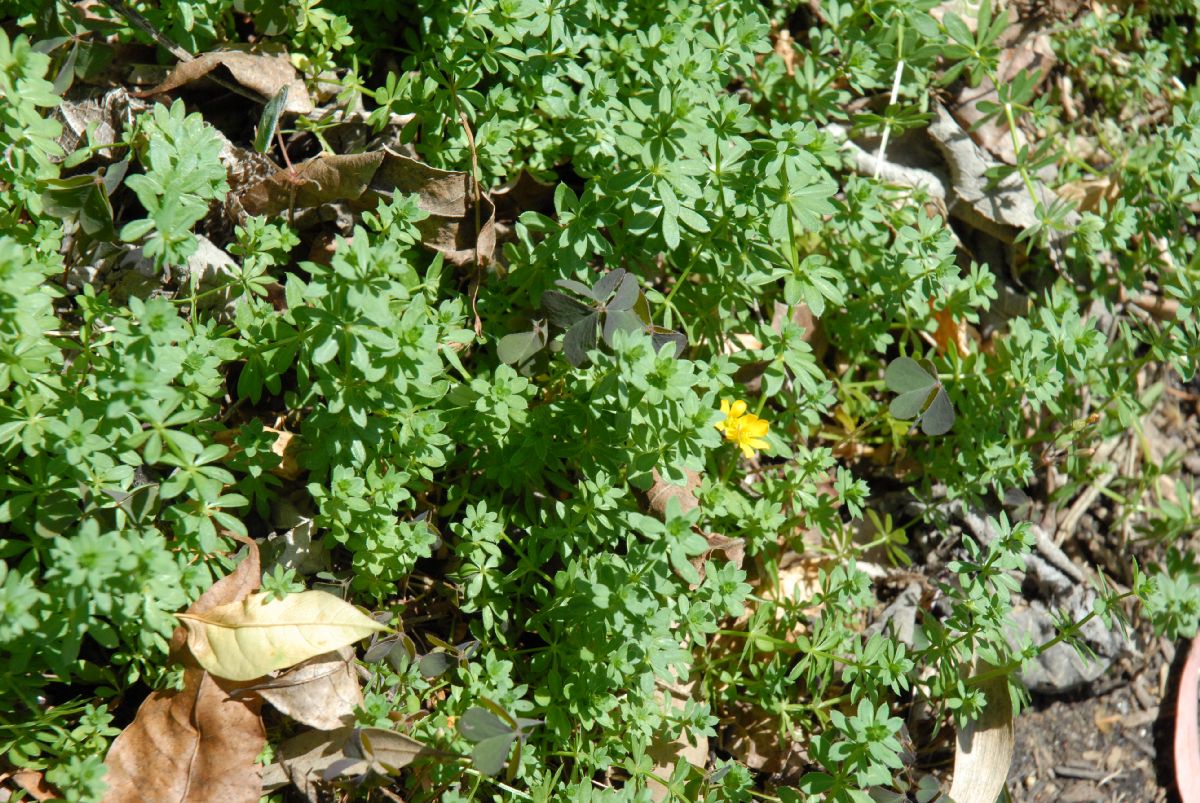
(610, 356)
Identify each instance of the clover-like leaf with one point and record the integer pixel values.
(493, 739)
(518, 347)
(604, 287)
(563, 310)
(580, 339)
(921, 393)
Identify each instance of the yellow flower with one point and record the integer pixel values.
(745, 429)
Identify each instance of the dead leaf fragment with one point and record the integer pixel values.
(266, 74)
(34, 784)
(309, 758)
(951, 332)
(447, 196)
(321, 693)
(260, 634)
(984, 748)
(666, 751)
(663, 491)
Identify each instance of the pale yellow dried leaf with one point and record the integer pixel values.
(246, 640)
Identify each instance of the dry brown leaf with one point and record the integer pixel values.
(784, 48)
(662, 492)
(1187, 740)
(266, 74)
(367, 178)
(1087, 194)
(304, 758)
(34, 784)
(799, 577)
(324, 178)
(192, 746)
(753, 739)
(447, 197)
(667, 752)
(200, 743)
(286, 446)
(734, 548)
(321, 693)
(951, 332)
(984, 748)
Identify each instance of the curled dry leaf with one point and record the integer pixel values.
(984, 748)
(322, 179)
(200, 743)
(266, 74)
(368, 178)
(260, 634)
(321, 693)
(314, 756)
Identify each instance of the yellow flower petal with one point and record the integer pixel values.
(755, 428)
(738, 409)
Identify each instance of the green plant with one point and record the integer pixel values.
(576, 475)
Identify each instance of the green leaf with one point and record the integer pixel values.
(269, 120)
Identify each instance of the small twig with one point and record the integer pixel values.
(142, 24)
(1085, 499)
(175, 49)
(1085, 773)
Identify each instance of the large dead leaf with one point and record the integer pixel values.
(266, 74)
(200, 743)
(192, 746)
(983, 752)
(247, 639)
(322, 692)
(322, 179)
(457, 226)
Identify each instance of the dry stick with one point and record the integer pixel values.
(142, 24)
(1085, 499)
